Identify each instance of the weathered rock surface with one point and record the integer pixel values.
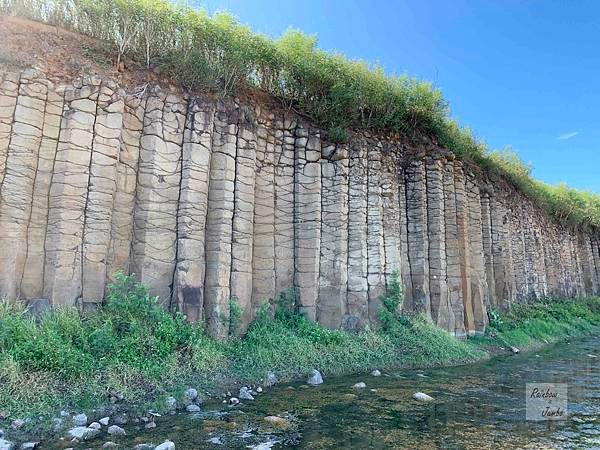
(208, 200)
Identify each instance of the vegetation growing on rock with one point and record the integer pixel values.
(218, 54)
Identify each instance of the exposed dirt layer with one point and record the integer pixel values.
(63, 55)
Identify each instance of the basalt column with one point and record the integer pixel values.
(456, 321)
(357, 308)
(219, 221)
(391, 214)
(375, 232)
(119, 253)
(9, 90)
(405, 278)
(100, 192)
(503, 281)
(436, 237)
(284, 159)
(32, 282)
(333, 277)
(418, 242)
(263, 254)
(68, 195)
(17, 187)
(188, 281)
(307, 219)
(488, 254)
(479, 289)
(157, 196)
(462, 227)
(243, 220)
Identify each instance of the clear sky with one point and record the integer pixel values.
(524, 73)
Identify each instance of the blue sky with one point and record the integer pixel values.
(524, 73)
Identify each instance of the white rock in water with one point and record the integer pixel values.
(116, 430)
(514, 349)
(270, 379)
(233, 401)
(315, 378)
(171, 403)
(245, 394)
(167, 445)
(80, 420)
(6, 445)
(83, 433)
(360, 385)
(29, 445)
(421, 397)
(193, 408)
(104, 421)
(376, 373)
(189, 396)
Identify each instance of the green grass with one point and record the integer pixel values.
(531, 325)
(217, 54)
(132, 346)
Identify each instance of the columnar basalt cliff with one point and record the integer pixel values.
(207, 200)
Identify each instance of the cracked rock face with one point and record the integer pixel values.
(209, 201)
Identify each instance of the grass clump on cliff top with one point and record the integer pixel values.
(218, 54)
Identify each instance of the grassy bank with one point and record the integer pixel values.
(218, 54)
(134, 348)
(532, 325)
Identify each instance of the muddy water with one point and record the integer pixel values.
(478, 406)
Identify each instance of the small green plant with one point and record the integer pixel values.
(495, 318)
(391, 302)
(235, 316)
(338, 135)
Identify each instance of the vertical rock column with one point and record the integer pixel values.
(503, 280)
(9, 90)
(596, 259)
(406, 277)
(479, 289)
(159, 177)
(243, 221)
(284, 205)
(456, 316)
(219, 221)
(462, 227)
(357, 308)
(391, 214)
(418, 243)
(375, 232)
(307, 219)
(263, 254)
(441, 313)
(17, 187)
(100, 192)
(589, 272)
(518, 256)
(188, 281)
(333, 276)
(32, 282)
(68, 195)
(119, 252)
(488, 253)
